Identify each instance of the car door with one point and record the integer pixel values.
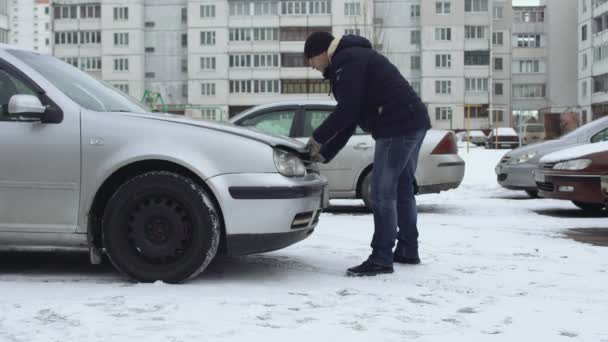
(343, 170)
(40, 164)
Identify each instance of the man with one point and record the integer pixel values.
(372, 93)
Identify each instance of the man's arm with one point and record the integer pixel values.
(333, 146)
(349, 87)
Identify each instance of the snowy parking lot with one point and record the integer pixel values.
(497, 266)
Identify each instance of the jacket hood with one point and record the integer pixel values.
(253, 134)
(346, 42)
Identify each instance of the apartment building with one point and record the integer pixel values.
(30, 24)
(592, 58)
(4, 32)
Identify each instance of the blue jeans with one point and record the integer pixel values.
(394, 204)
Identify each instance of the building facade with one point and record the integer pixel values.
(4, 31)
(30, 25)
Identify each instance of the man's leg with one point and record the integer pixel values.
(407, 214)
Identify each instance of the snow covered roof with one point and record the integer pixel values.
(575, 152)
(508, 131)
(477, 134)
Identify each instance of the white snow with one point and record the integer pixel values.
(575, 152)
(504, 131)
(495, 268)
(477, 134)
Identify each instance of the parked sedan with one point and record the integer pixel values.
(503, 137)
(476, 137)
(349, 174)
(578, 174)
(514, 171)
(85, 166)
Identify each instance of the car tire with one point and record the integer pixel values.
(590, 207)
(366, 190)
(161, 226)
(532, 193)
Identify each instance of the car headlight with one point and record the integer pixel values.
(523, 158)
(289, 164)
(574, 165)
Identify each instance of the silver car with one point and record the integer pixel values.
(85, 166)
(349, 174)
(515, 169)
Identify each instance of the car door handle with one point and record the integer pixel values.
(362, 146)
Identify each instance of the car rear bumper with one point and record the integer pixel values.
(438, 173)
(516, 177)
(581, 188)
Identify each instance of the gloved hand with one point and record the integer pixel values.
(313, 147)
(318, 158)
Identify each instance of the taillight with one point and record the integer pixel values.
(447, 145)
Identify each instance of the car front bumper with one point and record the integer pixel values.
(573, 187)
(268, 211)
(516, 177)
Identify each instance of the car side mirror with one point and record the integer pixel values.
(30, 107)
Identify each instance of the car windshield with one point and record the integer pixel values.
(83, 89)
(535, 129)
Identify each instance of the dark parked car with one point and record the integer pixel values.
(503, 137)
(578, 174)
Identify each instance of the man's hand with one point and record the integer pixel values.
(318, 158)
(313, 147)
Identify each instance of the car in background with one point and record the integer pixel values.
(476, 137)
(85, 166)
(514, 171)
(502, 137)
(349, 173)
(532, 133)
(578, 174)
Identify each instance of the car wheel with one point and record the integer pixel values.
(591, 207)
(161, 226)
(532, 193)
(366, 191)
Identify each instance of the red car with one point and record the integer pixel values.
(578, 174)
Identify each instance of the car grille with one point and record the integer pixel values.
(502, 177)
(545, 186)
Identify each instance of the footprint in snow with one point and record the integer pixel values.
(467, 310)
(568, 334)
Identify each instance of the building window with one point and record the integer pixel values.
(150, 75)
(475, 58)
(443, 113)
(271, 7)
(239, 8)
(416, 87)
(443, 34)
(584, 33)
(207, 37)
(149, 49)
(322, 7)
(476, 85)
(584, 5)
(415, 11)
(90, 11)
(121, 64)
(121, 13)
(124, 87)
(121, 39)
(443, 87)
(474, 32)
(149, 24)
(498, 12)
(268, 60)
(304, 87)
(443, 7)
(529, 15)
(356, 32)
(585, 62)
(352, 8)
(254, 87)
(584, 89)
(208, 89)
(475, 5)
(239, 35)
(292, 60)
(292, 34)
(443, 61)
(415, 37)
(497, 116)
(184, 39)
(476, 111)
(185, 90)
(498, 38)
(530, 66)
(498, 89)
(600, 83)
(415, 62)
(207, 11)
(239, 61)
(528, 91)
(294, 8)
(207, 63)
(63, 12)
(528, 40)
(498, 66)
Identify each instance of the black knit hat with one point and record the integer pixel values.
(317, 43)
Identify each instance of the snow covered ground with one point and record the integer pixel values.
(496, 267)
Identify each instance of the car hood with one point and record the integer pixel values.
(543, 148)
(249, 133)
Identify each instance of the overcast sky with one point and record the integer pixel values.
(525, 2)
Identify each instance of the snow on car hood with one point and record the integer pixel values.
(254, 134)
(575, 152)
(543, 148)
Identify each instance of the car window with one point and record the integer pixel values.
(277, 123)
(10, 86)
(314, 119)
(601, 136)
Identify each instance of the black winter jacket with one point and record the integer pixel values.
(371, 93)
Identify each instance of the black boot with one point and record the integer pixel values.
(406, 260)
(368, 268)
